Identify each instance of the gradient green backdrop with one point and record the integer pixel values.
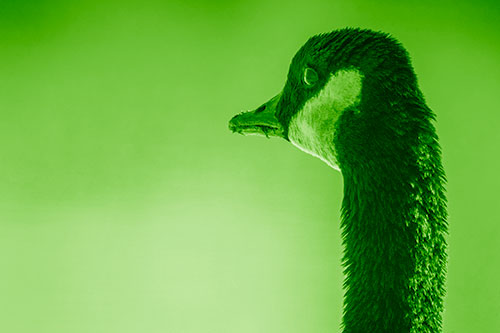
(126, 205)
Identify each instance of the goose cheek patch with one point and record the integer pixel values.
(312, 129)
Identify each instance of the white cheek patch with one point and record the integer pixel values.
(312, 129)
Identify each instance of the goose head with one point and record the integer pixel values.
(338, 100)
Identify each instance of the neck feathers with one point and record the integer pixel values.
(394, 223)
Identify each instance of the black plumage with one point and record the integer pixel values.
(394, 206)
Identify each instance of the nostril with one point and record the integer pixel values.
(261, 108)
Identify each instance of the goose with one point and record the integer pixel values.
(351, 99)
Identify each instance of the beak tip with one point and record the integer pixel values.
(261, 121)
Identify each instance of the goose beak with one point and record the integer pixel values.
(261, 121)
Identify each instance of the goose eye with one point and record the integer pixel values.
(310, 76)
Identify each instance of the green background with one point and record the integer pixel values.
(126, 205)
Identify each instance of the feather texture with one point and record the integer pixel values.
(352, 99)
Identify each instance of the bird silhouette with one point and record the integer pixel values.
(351, 99)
